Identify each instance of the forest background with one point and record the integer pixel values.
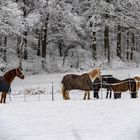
(65, 35)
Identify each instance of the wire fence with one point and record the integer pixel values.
(57, 96)
(37, 93)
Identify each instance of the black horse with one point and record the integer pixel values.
(103, 82)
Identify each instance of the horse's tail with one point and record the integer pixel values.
(63, 91)
(62, 88)
(137, 80)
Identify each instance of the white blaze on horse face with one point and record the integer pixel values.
(19, 73)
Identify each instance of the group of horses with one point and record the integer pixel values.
(94, 81)
(91, 81)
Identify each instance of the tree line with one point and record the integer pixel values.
(60, 34)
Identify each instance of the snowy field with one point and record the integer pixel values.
(36, 117)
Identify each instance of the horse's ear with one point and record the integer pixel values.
(20, 68)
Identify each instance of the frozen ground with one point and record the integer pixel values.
(38, 118)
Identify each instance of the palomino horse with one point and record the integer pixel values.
(6, 80)
(79, 82)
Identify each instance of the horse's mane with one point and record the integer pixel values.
(12, 70)
(93, 74)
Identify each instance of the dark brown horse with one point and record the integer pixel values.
(115, 85)
(79, 82)
(125, 85)
(104, 82)
(6, 80)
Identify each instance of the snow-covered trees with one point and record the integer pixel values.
(55, 33)
(11, 21)
(11, 24)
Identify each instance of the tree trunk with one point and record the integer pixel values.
(0, 45)
(106, 43)
(18, 46)
(106, 37)
(19, 49)
(77, 63)
(127, 49)
(25, 56)
(94, 54)
(119, 41)
(39, 45)
(132, 46)
(44, 42)
(60, 46)
(5, 49)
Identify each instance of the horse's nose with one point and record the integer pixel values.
(22, 76)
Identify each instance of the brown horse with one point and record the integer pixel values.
(6, 80)
(79, 82)
(125, 85)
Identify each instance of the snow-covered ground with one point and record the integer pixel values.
(36, 117)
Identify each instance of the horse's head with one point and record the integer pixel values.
(19, 73)
(94, 74)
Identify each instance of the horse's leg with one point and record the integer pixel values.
(88, 92)
(97, 94)
(67, 95)
(133, 90)
(2, 96)
(63, 90)
(110, 94)
(136, 94)
(107, 93)
(4, 101)
(94, 94)
(85, 95)
(120, 95)
(133, 94)
(64, 94)
(115, 95)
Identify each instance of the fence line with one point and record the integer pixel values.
(48, 96)
(22, 92)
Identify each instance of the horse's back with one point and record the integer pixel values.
(124, 85)
(4, 86)
(68, 77)
(110, 80)
(73, 81)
